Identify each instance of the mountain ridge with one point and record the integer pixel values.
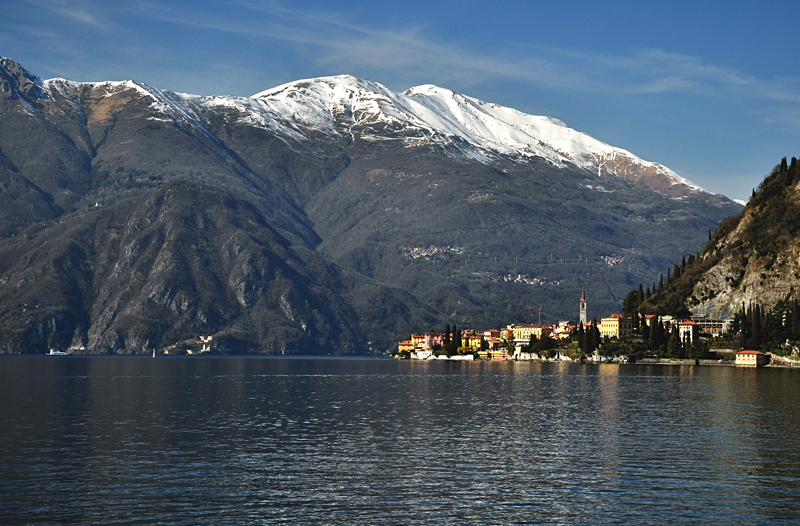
(355, 195)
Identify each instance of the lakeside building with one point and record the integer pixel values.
(406, 346)
(521, 334)
(712, 326)
(615, 326)
(491, 344)
(751, 359)
(689, 331)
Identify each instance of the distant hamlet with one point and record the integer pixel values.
(617, 338)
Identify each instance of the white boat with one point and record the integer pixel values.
(54, 352)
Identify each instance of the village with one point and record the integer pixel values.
(569, 341)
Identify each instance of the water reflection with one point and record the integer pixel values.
(246, 441)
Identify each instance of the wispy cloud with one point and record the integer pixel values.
(339, 44)
(77, 11)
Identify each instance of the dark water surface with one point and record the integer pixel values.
(328, 441)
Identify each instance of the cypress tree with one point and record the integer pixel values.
(447, 334)
(668, 277)
(588, 342)
(784, 174)
(595, 335)
(755, 331)
(661, 283)
(653, 338)
(647, 293)
(674, 345)
(641, 295)
(683, 263)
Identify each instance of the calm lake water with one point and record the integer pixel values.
(136, 440)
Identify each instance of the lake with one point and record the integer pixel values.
(190, 440)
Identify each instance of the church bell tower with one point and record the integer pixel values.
(583, 306)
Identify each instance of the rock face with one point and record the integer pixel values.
(329, 215)
(754, 257)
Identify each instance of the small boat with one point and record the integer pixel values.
(54, 352)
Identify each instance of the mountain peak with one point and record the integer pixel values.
(18, 82)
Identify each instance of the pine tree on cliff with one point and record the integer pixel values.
(784, 172)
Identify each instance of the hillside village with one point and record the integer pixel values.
(616, 337)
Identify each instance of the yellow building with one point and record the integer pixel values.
(417, 339)
(406, 345)
(489, 354)
(615, 326)
(751, 359)
(524, 332)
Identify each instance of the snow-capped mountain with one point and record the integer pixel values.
(464, 127)
(329, 214)
(481, 131)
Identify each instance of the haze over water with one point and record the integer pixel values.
(351, 441)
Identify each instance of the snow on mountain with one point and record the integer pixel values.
(464, 126)
(432, 114)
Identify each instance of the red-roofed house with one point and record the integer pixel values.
(689, 331)
(751, 359)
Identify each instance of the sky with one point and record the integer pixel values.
(709, 89)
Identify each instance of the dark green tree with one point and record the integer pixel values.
(654, 338)
(595, 332)
(447, 334)
(674, 345)
(755, 331)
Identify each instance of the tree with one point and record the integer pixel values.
(510, 348)
(592, 337)
(755, 331)
(588, 342)
(640, 296)
(654, 338)
(447, 334)
(674, 345)
(532, 342)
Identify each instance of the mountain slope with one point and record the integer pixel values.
(752, 258)
(377, 213)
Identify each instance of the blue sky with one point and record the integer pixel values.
(709, 89)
